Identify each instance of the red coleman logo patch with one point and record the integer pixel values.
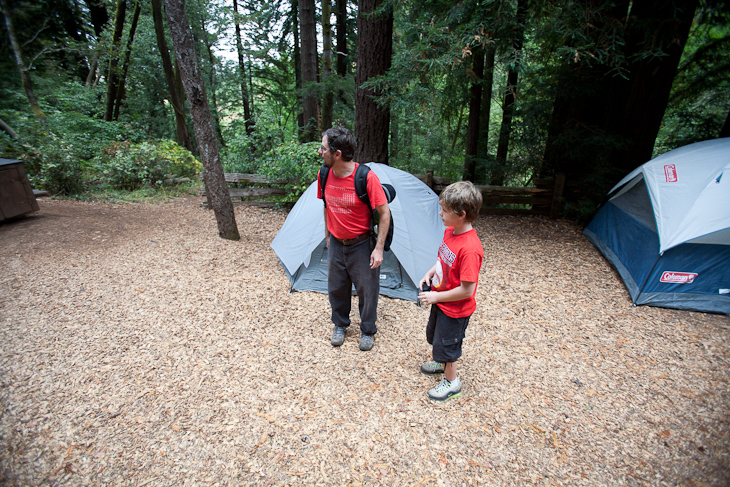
(678, 277)
(670, 171)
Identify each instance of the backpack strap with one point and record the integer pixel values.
(323, 173)
(361, 184)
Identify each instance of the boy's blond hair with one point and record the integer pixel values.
(462, 198)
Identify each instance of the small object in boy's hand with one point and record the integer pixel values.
(425, 288)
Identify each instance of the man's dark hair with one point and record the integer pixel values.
(341, 139)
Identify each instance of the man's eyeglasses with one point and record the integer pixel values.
(323, 149)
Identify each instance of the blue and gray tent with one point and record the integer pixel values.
(666, 229)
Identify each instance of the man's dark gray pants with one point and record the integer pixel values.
(348, 265)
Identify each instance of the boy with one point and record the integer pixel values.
(453, 285)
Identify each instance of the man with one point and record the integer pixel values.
(353, 259)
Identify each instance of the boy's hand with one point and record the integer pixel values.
(428, 297)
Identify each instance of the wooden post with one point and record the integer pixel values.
(557, 194)
(429, 178)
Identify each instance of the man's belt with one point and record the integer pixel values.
(353, 241)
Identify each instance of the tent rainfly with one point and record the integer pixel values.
(418, 231)
(666, 229)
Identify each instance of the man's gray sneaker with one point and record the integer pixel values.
(432, 368)
(366, 342)
(338, 336)
(445, 390)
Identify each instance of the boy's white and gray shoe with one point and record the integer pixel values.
(432, 368)
(338, 336)
(445, 390)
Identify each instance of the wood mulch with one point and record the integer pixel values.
(139, 348)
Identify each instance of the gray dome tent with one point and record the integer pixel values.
(300, 244)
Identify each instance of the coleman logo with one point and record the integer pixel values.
(670, 171)
(678, 277)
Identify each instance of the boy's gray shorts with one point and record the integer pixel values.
(445, 334)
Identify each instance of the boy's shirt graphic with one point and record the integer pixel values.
(459, 259)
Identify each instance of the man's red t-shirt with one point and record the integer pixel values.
(459, 259)
(347, 216)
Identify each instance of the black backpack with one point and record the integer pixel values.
(361, 188)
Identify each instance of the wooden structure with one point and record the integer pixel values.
(16, 195)
(543, 199)
(252, 189)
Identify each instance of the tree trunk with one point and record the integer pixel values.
(327, 85)
(342, 38)
(99, 15)
(725, 130)
(247, 119)
(510, 96)
(484, 119)
(8, 129)
(176, 93)
(127, 59)
(297, 69)
(475, 108)
(204, 40)
(111, 79)
(219, 198)
(24, 74)
(309, 71)
(374, 53)
(603, 125)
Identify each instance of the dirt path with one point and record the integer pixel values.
(138, 348)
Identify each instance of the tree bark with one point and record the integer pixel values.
(99, 15)
(219, 198)
(297, 69)
(247, 119)
(8, 129)
(310, 99)
(374, 54)
(176, 93)
(24, 74)
(510, 96)
(475, 108)
(127, 59)
(342, 38)
(112, 76)
(327, 85)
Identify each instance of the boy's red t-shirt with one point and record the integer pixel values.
(347, 216)
(459, 259)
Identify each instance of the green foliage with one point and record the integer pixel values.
(55, 167)
(295, 163)
(131, 166)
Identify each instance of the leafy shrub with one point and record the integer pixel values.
(295, 163)
(126, 165)
(54, 167)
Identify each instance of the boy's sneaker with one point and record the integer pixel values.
(366, 342)
(432, 368)
(445, 390)
(338, 336)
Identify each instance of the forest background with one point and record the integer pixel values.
(101, 98)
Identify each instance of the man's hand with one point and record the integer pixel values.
(376, 258)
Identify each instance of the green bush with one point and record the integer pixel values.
(295, 163)
(130, 166)
(55, 167)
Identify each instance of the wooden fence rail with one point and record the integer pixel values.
(544, 199)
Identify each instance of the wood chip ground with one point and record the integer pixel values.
(138, 348)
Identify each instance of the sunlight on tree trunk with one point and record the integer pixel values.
(215, 183)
